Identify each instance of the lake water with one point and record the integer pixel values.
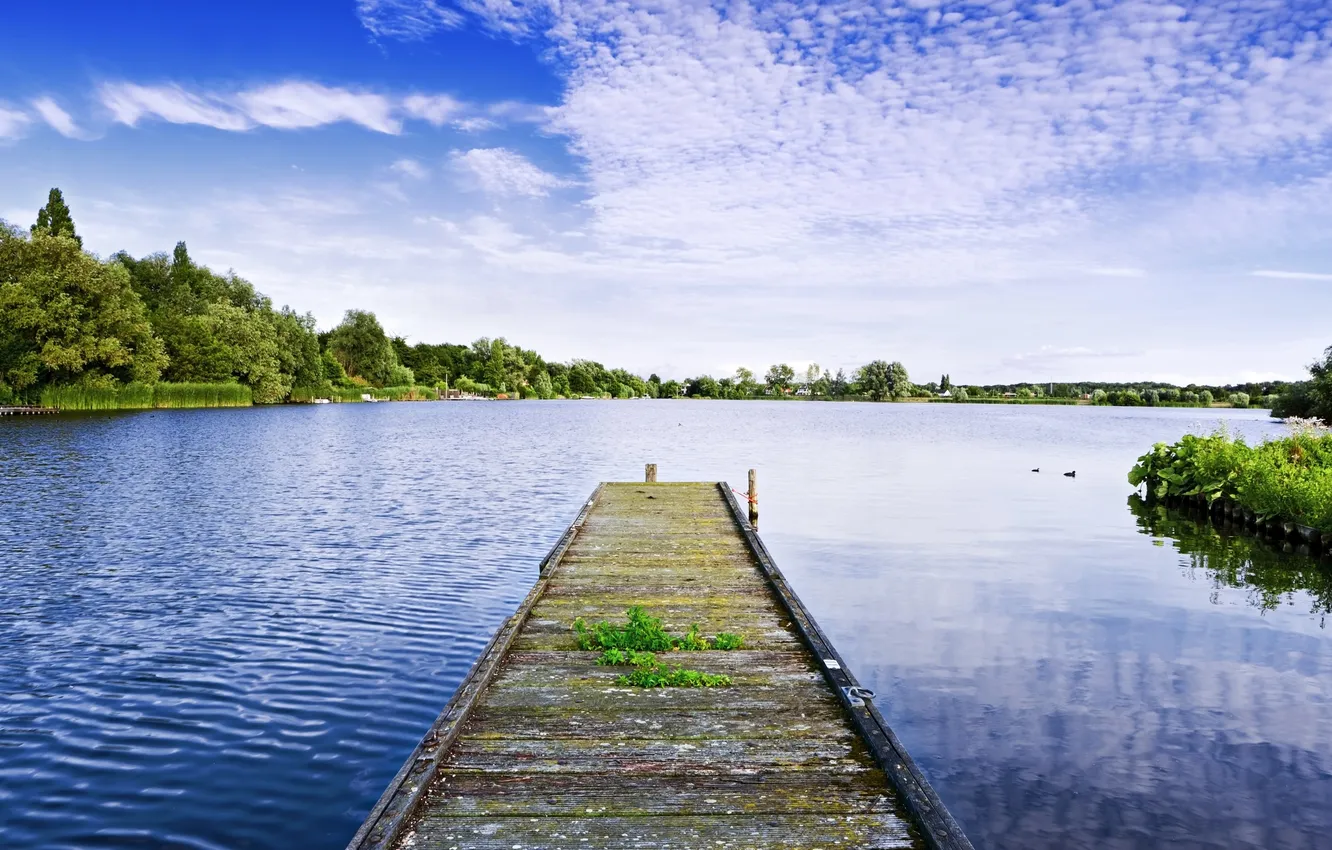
(227, 629)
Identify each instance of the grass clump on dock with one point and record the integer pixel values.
(643, 632)
(636, 643)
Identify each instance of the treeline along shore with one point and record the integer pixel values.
(81, 332)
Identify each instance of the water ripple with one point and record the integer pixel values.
(226, 629)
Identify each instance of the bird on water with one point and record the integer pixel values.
(1073, 474)
(1037, 469)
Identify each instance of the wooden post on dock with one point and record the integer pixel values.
(753, 500)
(650, 474)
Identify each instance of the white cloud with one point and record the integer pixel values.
(503, 172)
(957, 173)
(13, 123)
(57, 118)
(436, 108)
(295, 105)
(1280, 275)
(285, 106)
(410, 168)
(130, 103)
(899, 145)
(474, 125)
(406, 20)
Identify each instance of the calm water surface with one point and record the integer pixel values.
(226, 629)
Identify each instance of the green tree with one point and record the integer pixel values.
(54, 219)
(822, 386)
(1320, 387)
(251, 348)
(839, 385)
(585, 378)
(900, 381)
(333, 371)
(812, 372)
(881, 380)
(874, 380)
(543, 385)
(299, 360)
(780, 378)
(745, 385)
(362, 347)
(67, 318)
(1311, 398)
(704, 386)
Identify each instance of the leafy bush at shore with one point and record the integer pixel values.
(1289, 479)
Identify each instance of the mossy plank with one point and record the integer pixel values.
(635, 721)
(471, 794)
(883, 831)
(726, 756)
(577, 671)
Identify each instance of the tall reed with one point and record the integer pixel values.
(128, 397)
(145, 397)
(202, 395)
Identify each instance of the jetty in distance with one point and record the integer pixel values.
(542, 747)
(26, 411)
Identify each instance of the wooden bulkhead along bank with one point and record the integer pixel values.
(541, 747)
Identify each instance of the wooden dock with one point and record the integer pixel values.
(541, 748)
(26, 411)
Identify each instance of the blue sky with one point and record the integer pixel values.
(1001, 190)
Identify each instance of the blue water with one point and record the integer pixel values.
(227, 629)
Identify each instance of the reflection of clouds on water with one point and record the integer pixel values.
(1058, 722)
(264, 573)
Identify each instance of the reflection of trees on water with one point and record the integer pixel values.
(1235, 558)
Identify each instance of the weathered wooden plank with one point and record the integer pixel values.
(553, 794)
(708, 756)
(555, 634)
(657, 721)
(790, 701)
(733, 832)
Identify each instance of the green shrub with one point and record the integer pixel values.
(1289, 479)
(641, 632)
(659, 676)
(636, 643)
(727, 641)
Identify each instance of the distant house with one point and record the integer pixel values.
(946, 394)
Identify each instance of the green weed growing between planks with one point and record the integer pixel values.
(636, 643)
